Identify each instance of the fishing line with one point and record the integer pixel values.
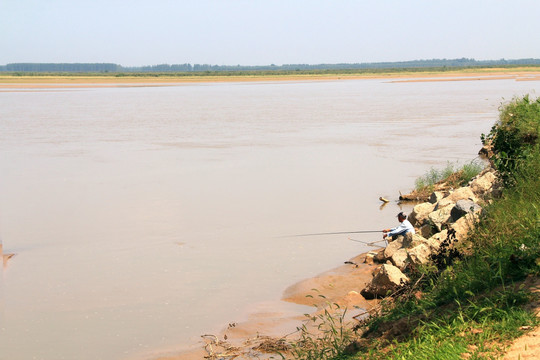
(337, 233)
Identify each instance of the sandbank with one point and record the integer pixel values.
(13, 82)
(340, 285)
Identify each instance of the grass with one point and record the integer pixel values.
(323, 336)
(476, 304)
(453, 175)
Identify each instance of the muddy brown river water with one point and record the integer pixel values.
(143, 217)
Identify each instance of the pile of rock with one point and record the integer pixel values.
(451, 212)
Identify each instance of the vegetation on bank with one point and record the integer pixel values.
(452, 176)
(189, 68)
(271, 72)
(469, 304)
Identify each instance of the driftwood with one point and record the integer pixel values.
(251, 348)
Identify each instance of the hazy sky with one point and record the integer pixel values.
(261, 32)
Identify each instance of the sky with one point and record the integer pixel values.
(263, 32)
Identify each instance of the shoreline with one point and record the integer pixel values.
(95, 81)
(447, 216)
(340, 285)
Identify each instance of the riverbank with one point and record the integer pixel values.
(264, 331)
(481, 293)
(52, 81)
(358, 284)
(466, 291)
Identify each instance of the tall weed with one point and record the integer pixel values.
(323, 336)
(452, 174)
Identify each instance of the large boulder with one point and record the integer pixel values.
(393, 247)
(440, 217)
(401, 259)
(388, 279)
(379, 257)
(407, 239)
(440, 236)
(462, 193)
(463, 225)
(433, 244)
(436, 196)
(418, 239)
(420, 213)
(483, 183)
(464, 207)
(370, 258)
(426, 230)
(436, 240)
(419, 254)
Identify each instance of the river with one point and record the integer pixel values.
(143, 217)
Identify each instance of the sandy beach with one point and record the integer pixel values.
(12, 82)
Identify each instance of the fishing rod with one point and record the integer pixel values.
(338, 233)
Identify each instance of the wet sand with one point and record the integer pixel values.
(340, 286)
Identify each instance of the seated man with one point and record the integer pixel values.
(404, 227)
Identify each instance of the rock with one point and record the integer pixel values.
(463, 225)
(419, 215)
(436, 196)
(388, 279)
(426, 231)
(463, 207)
(482, 184)
(407, 240)
(433, 244)
(393, 247)
(486, 151)
(444, 203)
(440, 217)
(417, 240)
(436, 240)
(370, 258)
(353, 298)
(401, 259)
(375, 270)
(419, 254)
(379, 258)
(463, 193)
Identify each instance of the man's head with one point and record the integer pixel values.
(401, 216)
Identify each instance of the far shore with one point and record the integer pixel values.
(10, 81)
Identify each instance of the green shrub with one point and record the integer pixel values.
(515, 135)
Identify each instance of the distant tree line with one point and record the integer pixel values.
(59, 67)
(182, 68)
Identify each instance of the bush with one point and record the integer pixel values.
(514, 136)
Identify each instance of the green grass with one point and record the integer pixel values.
(454, 175)
(323, 336)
